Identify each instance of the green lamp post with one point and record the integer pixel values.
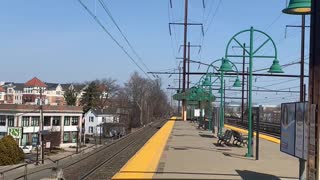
(252, 53)
(226, 66)
(300, 7)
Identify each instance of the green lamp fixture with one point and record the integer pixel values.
(225, 66)
(206, 82)
(237, 83)
(298, 7)
(275, 67)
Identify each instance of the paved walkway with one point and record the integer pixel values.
(193, 154)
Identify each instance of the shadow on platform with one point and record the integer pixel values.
(251, 175)
(207, 135)
(197, 148)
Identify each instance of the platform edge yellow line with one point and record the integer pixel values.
(144, 163)
(263, 136)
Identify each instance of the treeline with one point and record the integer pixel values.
(141, 98)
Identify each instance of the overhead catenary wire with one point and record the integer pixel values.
(111, 36)
(104, 6)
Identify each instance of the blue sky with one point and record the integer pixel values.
(57, 40)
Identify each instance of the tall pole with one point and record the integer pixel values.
(41, 127)
(221, 105)
(243, 69)
(184, 58)
(314, 92)
(249, 153)
(188, 76)
(179, 88)
(224, 99)
(247, 91)
(302, 162)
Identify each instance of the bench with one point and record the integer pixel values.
(239, 139)
(225, 138)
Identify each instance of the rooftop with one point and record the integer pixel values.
(35, 82)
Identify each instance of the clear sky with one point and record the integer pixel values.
(58, 41)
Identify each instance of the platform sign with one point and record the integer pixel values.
(299, 137)
(294, 129)
(288, 129)
(196, 112)
(15, 132)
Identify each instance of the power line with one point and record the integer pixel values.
(110, 35)
(122, 34)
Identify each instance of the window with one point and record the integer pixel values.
(91, 119)
(67, 120)
(46, 121)
(10, 121)
(90, 129)
(2, 120)
(66, 137)
(35, 120)
(25, 121)
(75, 120)
(56, 121)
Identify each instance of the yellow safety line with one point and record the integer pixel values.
(144, 163)
(263, 136)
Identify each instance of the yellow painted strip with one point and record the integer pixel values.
(263, 136)
(144, 163)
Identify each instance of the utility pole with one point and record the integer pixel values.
(179, 88)
(184, 107)
(188, 79)
(41, 127)
(243, 69)
(314, 93)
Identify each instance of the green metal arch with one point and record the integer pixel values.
(254, 30)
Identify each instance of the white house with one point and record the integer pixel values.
(94, 118)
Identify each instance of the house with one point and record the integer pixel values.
(32, 91)
(61, 123)
(94, 118)
(14, 92)
(2, 94)
(54, 94)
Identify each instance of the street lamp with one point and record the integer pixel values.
(226, 66)
(300, 7)
(252, 53)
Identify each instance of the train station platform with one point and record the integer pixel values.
(181, 151)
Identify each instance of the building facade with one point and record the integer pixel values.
(61, 124)
(95, 118)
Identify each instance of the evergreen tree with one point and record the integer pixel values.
(90, 97)
(70, 97)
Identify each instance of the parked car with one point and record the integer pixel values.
(26, 149)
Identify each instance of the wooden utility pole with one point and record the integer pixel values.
(314, 93)
(184, 105)
(188, 79)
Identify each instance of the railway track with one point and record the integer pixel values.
(270, 129)
(109, 159)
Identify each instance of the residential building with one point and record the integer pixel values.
(54, 94)
(61, 123)
(32, 91)
(95, 117)
(14, 92)
(2, 95)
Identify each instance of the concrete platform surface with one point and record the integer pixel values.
(191, 153)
